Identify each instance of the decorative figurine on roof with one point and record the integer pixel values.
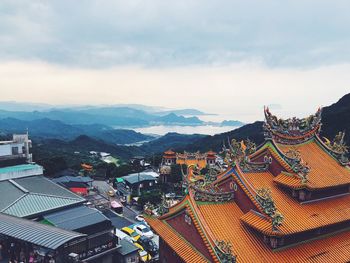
(249, 147)
(301, 168)
(164, 206)
(292, 130)
(211, 175)
(277, 220)
(238, 154)
(236, 151)
(224, 251)
(265, 200)
(338, 148)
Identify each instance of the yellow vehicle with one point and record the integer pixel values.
(131, 232)
(144, 255)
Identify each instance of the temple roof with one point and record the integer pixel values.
(223, 221)
(309, 215)
(302, 161)
(325, 171)
(182, 247)
(169, 152)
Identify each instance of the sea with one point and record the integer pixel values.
(200, 129)
(209, 129)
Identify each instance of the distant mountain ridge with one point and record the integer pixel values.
(119, 116)
(47, 128)
(172, 119)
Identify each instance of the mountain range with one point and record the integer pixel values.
(113, 116)
(54, 138)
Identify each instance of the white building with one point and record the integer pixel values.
(17, 148)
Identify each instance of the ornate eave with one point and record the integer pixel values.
(292, 130)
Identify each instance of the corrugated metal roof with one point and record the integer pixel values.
(33, 204)
(134, 178)
(80, 179)
(76, 218)
(9, 194)
(24, 197)
(42, 185)
(35, 233)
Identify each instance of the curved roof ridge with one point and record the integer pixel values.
(204, 228)
(175, 208)
(327, 149)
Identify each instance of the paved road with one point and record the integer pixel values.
(103, 187)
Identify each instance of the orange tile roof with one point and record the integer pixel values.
(310, 215)
(289, 180)
(183, 248)
(169, 152)
(224, 221)
(325, 171)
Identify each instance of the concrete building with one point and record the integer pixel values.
(15, 151)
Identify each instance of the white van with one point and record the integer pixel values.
(121, 235)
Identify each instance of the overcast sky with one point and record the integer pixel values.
(228, 57)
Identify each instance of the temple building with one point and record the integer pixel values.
(287, 200)
(200, 160)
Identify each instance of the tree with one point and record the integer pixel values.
(175, 174)
(153, 197)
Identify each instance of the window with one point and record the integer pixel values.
(15, 150)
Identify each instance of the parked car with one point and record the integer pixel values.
(149, 245)
(144, 255)
(143, 230)
(127, 230)
(140, 218)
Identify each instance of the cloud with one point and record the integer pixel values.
(158, 33)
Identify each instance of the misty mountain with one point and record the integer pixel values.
(172, 119)
(193, 112)
(232, 123)
(122, 116)
(47, 128)
(117, 117)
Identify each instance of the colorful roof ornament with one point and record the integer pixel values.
(338, 148)
(292, 130)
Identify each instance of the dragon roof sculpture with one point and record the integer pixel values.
(292, 130)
